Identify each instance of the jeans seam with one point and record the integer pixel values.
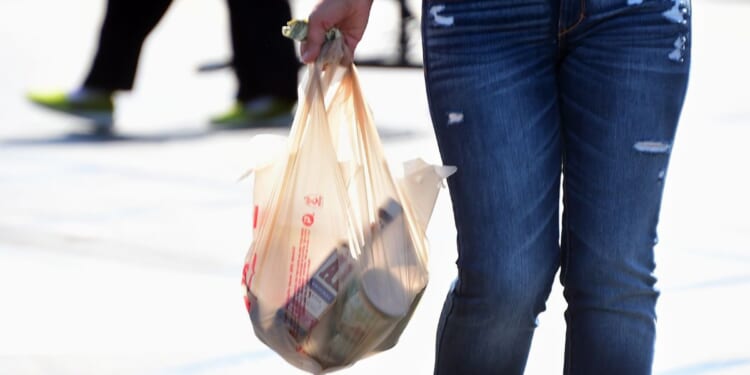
(441, 330)
(581, 16)
(425, 63)
(425, 50)
(568, 355)
(565, 226)
(564, 280)
(564, 274)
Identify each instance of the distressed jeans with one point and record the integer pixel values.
(538, 103)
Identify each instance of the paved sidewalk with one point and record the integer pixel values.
(123, 255)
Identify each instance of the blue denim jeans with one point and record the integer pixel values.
(531, 99)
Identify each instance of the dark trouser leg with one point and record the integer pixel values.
(491, 85)
(622, 86)
(126, 25)
(264, 61)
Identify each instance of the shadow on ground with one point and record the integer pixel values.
(176, 134)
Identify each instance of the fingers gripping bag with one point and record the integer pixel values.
(338, 260)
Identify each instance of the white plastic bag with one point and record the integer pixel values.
(339, 256)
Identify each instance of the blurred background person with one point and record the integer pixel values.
(264, 62)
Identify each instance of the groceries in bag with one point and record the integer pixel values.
(338, 261)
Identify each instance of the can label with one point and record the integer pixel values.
(304, 310)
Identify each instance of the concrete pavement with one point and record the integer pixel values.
(122, 255)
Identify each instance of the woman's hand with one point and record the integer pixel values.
(349, 16)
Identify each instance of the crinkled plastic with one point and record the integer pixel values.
(339, 256)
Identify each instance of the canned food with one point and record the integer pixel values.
(370, 308)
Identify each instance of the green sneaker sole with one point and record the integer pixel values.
(99, 111)
(275, 113)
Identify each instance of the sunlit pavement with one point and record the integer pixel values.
(123, 254)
